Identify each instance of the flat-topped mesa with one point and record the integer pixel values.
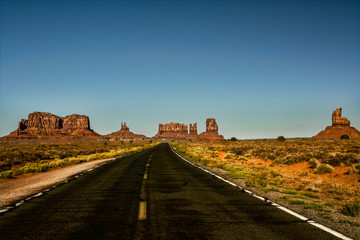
(211, 130)
(340, 128)
(337, 119)
(76, 121)
(124, 133)
(45, 125)
(172, 130)
(193, 131)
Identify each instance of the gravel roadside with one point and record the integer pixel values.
(13, 190)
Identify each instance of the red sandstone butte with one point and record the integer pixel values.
(124, 133)
(172, 130)
(178, 130)
(193, 131)
(340, 126)
(211, 131)
(47, 125)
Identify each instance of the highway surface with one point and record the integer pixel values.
(153, 194)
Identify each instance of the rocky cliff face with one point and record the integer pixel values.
(340, 126)
(124, 133)
(44, 125)
(173, 130)
(193, 131)
(177, 130)
(211, 130)
(337, 119)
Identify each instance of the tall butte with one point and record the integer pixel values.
(211, 130)
(340, 127)
(180, 130)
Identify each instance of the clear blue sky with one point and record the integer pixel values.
(261, 68)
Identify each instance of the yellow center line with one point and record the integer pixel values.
(142, 210)
(145, 176)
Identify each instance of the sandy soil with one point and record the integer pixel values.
(13, 190)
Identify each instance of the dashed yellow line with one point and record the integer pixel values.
(145, 176)
(142, 210)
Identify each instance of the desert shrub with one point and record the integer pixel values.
(277, 181)
(242, 158)
(351, 209)
(257, 180)
(281, 138)
(241, 150)
(310, 195)
(275, 173)
(229, 155)
(296, 202)
(7, 174)
(324, 168)
(233, 139)
(354, 149)
(290, 192)
(313, 163)
(347, 159)
(357, 166)
(293, 159)
(349, 171)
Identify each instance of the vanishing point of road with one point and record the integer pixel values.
(152, 194)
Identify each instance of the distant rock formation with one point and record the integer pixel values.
(45, 125)
(340, 126)
(211, 130)
(337, 119)
(172, 130)
(193, 131)
(124, 133)
(177, 130)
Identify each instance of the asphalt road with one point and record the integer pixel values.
(151, 195)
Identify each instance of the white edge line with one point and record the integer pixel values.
(329, 230)
(318, 225)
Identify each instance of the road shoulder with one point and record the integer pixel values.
(13, 190)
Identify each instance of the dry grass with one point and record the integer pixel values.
(21, 157)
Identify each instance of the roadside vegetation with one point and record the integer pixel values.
(20, 157)
(319, 178)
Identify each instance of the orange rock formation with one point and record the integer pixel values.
(211, 130)
(193, 131)
(124, 133)
(177, 130)
(172, 130)
(45, 125)
(340, 126)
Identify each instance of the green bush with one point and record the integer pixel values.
(313, 163)
(7, 174)
(357, 166)
(324, 168)
(233, 139)
(281, 138)
(242, 158)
